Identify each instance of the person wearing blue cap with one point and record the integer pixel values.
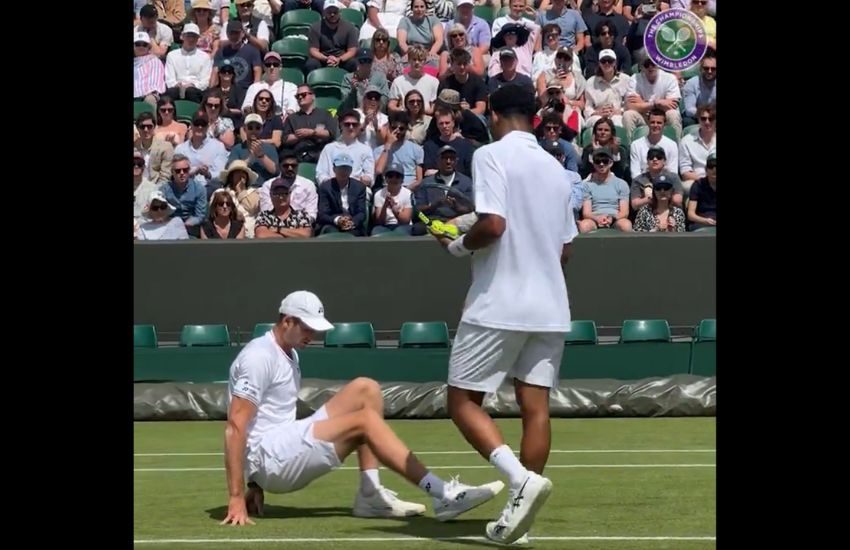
(342, 201)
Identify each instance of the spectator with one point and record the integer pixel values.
(374, 128)
(148, 71)
(472, 90)
(554, 100)
(342, 201)
(640, 193)
(605, 92)
(640, 147)
(515, 15)
(302, 195)
(557, 150)
(701, 89)
(272, 130)
(243, 57)
(223, 221)
(686, 5)
(354, 84)
(399, 151)
(449, 135)
(650, 90)
(188, 197)
(457, 38)
(700, 9)
(207, 156)
(382, 15)
(283, 92)
(158, 224)
(702, 206)
(508, 72)
(439, 204)
(383, 60)
(417, 129)
(659, 214)
(220, 127)
(363, 167)
(606, 40)
(423, 30)
(606, 198)
(167, 126)
(477, 29)
(414, 79)
(570, 22)
(643, 15)
(393, 204)
(256, 31)
(315, 5)
(309, 129)
(516, 38)
(563, 86)
(233, 95)
(173, 12)
(156, 151)
(472, 127)
(333, 41)
(143, 188)
(269, 11)
(694, 149)
(443, 9)
(606, 14)
(209, 24)
(160, 34)
(188, 70)
(604, 136)
(552, 127)
(260, 157)
(282, 221)
(240, 182)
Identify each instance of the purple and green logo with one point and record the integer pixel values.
(675, 39)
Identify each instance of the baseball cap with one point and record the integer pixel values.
(141, 37)
(306, 306)
(607, 53)
(364, 54)
(281, 183)
(271, 55)
(449, 97)
(373, 88)
(507, 52)
(343, 159)
(191, 28)
(553, 83)
(226, 65)
(253, 117)
(447, 149)
(332, 4)
(462, 2)
(601, 151)
(662, 183)
(553, 148)
(394, 169)
(656, 150)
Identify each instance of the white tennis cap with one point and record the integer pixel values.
(306, 306)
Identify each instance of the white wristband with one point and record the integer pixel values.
(457, 249)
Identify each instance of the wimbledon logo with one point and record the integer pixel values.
(675, 39)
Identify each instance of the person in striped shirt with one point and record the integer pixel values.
(148, 71)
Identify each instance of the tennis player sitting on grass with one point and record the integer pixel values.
(267, 447)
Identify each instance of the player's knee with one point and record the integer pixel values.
(368, 419)
(368, 387)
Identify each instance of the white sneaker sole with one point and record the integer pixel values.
(523, 526)
(495, 488)
(394, 513)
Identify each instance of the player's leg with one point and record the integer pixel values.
(349, 431)
(533, 404)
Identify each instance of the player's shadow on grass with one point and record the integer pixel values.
(428, 527)
(286, 512)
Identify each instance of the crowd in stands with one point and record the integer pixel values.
(304, 118)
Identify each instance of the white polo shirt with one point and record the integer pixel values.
(665, 87)
(640, 147)
(518, 282)
(264, 375)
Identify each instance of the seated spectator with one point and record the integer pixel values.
(333, 41)
(233, 95)
(207, 156)
(564, 87)
(607, 39)
(363, 167)
(472, 126)
(686, 5)
(702, 205)
(188, 197)
(167, 125)
(245, 58)
(507, 63)
(223, 221)
(148, 71)
(384, 61)
(160, 34)
(457, 38)
(604, 136)
(393, 204)
(302, 194)
(172, 12)
(650, 90)
(517, 38)
(449, 135)
(515, 15)
(414, 79)
(156, 151)
(272, 130)
(556, 149)
(642, 186)
(544, 59)
(440, 204)
(477, 29)
(158, 225)
(606, 198)
(700, 89)
(694, 149)
(342, 201)
(570, 22)
(240, 183)
(282, 221)
(551, 129)
(309, 129)
(261, 157)
(399, 151)
(315, 5)
(382, 15)
(221, 10)
(354, 84)
(472, 90)
(660, 214)
(220, 127)
(605, 13)
(605, 93)
(256, 30)
(209, 24)
(143, 188)
(700, 9)
(417, 128)
(643, 14)
(423, 30)
(283, 92)
(375, 123)
(640, 147)
(188, 69)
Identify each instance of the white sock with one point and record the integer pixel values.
(505, 461)
(369, 482)
(432, 485)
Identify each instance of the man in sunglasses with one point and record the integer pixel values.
(256, 30)
(283, 92)
(640, 192)
(302, 194)
(333, 41)
(694, 149)
(207, 155)
(702, 88)
(398, 150)
(308, 130)
(261, 157)
(342, 201)
(364, 161)
(354, 84)
(156, 150)
(187, 196)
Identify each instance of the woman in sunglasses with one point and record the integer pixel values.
(223, 220)
(160, 225)
(272, 130)
(233, 95)
(458, 38)
(384, 60)
(220, 127)
(660, 214)
(414, 104)
(239, 182)
(167, 125)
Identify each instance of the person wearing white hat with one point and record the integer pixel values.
(188, 70)
(267, 448)
(159, 224)
(148, 71)
(160, 34)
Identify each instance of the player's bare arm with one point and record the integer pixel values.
(235, 438)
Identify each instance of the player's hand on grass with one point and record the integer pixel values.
(254, 501)
(237, 513)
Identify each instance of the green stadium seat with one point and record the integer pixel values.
(331, 104)
(144, 336)
(293, 51)
(297, 22)
(434, 334)
(651, 330)
(336, 236)
(706, 331)
(691, 72)
(185, 110)
(307, 170)
(581, 332)
(350, 335)
(355, 17)
(261, 328)
(705, 230)
(640, 131)
(670, 132)
(487, 13)
(693, 130)
(205, 335)
(140, 107)
(704, 349)
(291, 74)
(327, 77)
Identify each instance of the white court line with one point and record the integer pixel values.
(476, 467)
(407, 539)
(566, 451)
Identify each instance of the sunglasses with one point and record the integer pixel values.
(351, 124)
(200, 124)
(457, 35)
(166, 109)
(656, 157)
(280, 194)
(213, 105)
(180, 170)
(606, 61)
(264, 99)
(301, 95)
(138, 163)
(253, 126)
(552, 128)
(400, 127)
(380, 40)
(293, 165)
(157, 207)
(602, 162)
(146, 126)
(224, 205)
(226, 72)
(272, 65)
(141, 45)
(706, 118)
(373, 97)
(414, 101)
(710, 69)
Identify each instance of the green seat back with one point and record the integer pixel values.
(355, 17)
(291, 74)
(645, 330)
(350, 335)
(433, 334)
(205, 335)
(706, 331)
(185, 109)
(261, 328)
(307, 170)
(581, 332)
(144, 336)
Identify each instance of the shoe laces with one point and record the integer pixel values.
(388, 494)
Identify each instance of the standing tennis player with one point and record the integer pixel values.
(269, 449)
(516, 312)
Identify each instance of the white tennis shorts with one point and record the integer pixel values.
(290, 457)
(483, 357)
